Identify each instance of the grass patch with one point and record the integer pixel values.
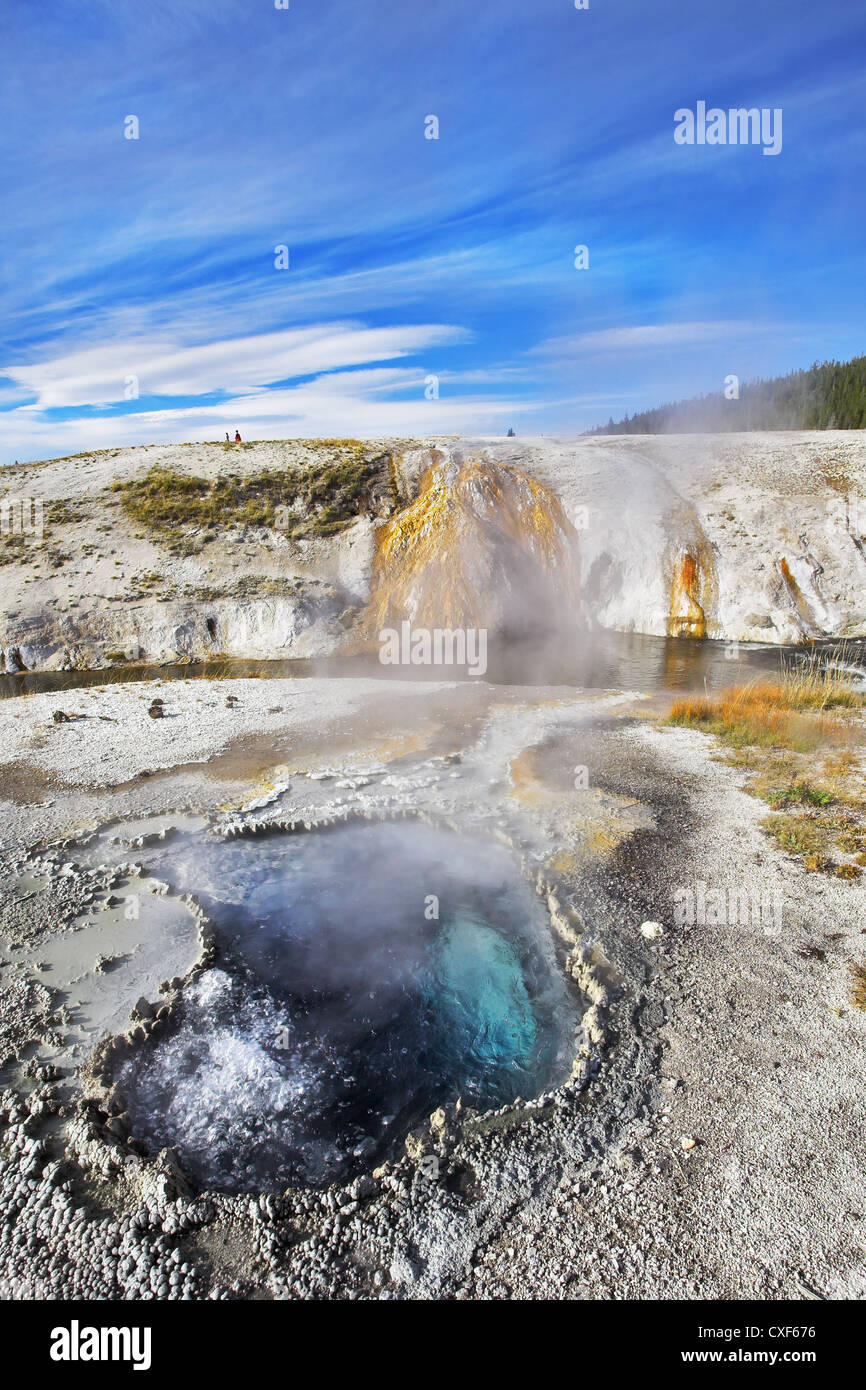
(797, 834)
(858, 986)
(250, 586)
(313, 499)
(840, 764)
(772, 730)
(772, 714)
(60, 512)
(851, 836)
(847, 871)
(14, 549)
(817, 863)
(792, 793)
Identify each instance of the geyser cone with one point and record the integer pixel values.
(483, 545)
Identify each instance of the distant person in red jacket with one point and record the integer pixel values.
(237, 436)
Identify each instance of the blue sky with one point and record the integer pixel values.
(153, 258)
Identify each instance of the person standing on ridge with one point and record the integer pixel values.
(237, 436)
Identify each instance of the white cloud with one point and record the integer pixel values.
(640, 336)
(97, 375)
(338, 403)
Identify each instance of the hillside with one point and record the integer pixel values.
(170, 553)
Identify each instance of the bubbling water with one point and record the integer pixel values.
(366, 975)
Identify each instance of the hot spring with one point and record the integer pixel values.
(366, 975)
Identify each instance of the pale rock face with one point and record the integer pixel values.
(269, 628)
(771, 521)
(756, 537)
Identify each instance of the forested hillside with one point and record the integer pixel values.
(827, 395)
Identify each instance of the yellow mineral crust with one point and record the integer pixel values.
(482, 545)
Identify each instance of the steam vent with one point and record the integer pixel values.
(324, 1032)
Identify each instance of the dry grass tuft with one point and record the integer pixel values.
(847, 871)
(772, 730)
(858, 986)
(774, 714)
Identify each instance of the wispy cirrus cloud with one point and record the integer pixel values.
(641, 337)
(97, 375)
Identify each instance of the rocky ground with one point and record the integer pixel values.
(708, 1143)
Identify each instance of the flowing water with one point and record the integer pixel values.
(366, 975)
(601, 660)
